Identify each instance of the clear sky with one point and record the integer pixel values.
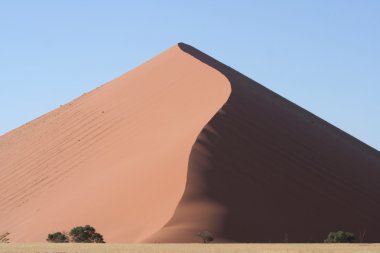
(322, 55)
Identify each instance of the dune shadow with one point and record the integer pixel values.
(277, 172)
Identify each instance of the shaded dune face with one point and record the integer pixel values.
(115, 158)
(265, 170)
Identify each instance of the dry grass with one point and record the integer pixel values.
(189, 248)
(4, 238)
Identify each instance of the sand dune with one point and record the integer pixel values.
(181, 144)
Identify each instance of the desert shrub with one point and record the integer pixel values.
(340, 237)
(58, 237)
(86, 234)
(4, 238)
(206, 236)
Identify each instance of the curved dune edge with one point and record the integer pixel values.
(115, 158)
(265, 170)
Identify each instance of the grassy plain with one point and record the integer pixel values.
(188, 248)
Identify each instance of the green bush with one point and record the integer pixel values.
(206, 236)
(86, 234)
(340, 237)
(57, 237)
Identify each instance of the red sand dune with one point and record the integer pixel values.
(181, 144)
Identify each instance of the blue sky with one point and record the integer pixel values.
(322, 55)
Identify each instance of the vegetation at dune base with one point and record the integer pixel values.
(86, 234)
(81, 234)
(4, 238)
(340, 237)
(58, 237)
(206, 236)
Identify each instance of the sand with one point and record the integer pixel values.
(189, 248)
(115, 158)
(181, 144)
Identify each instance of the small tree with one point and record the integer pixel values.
(4, 238)
(86, 234)
(58, 237)
(340, 237)
(206, 236)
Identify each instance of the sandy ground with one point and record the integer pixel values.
(190, 248)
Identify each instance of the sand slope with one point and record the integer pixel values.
(115, 158)
(181, 144)
(265, 170)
